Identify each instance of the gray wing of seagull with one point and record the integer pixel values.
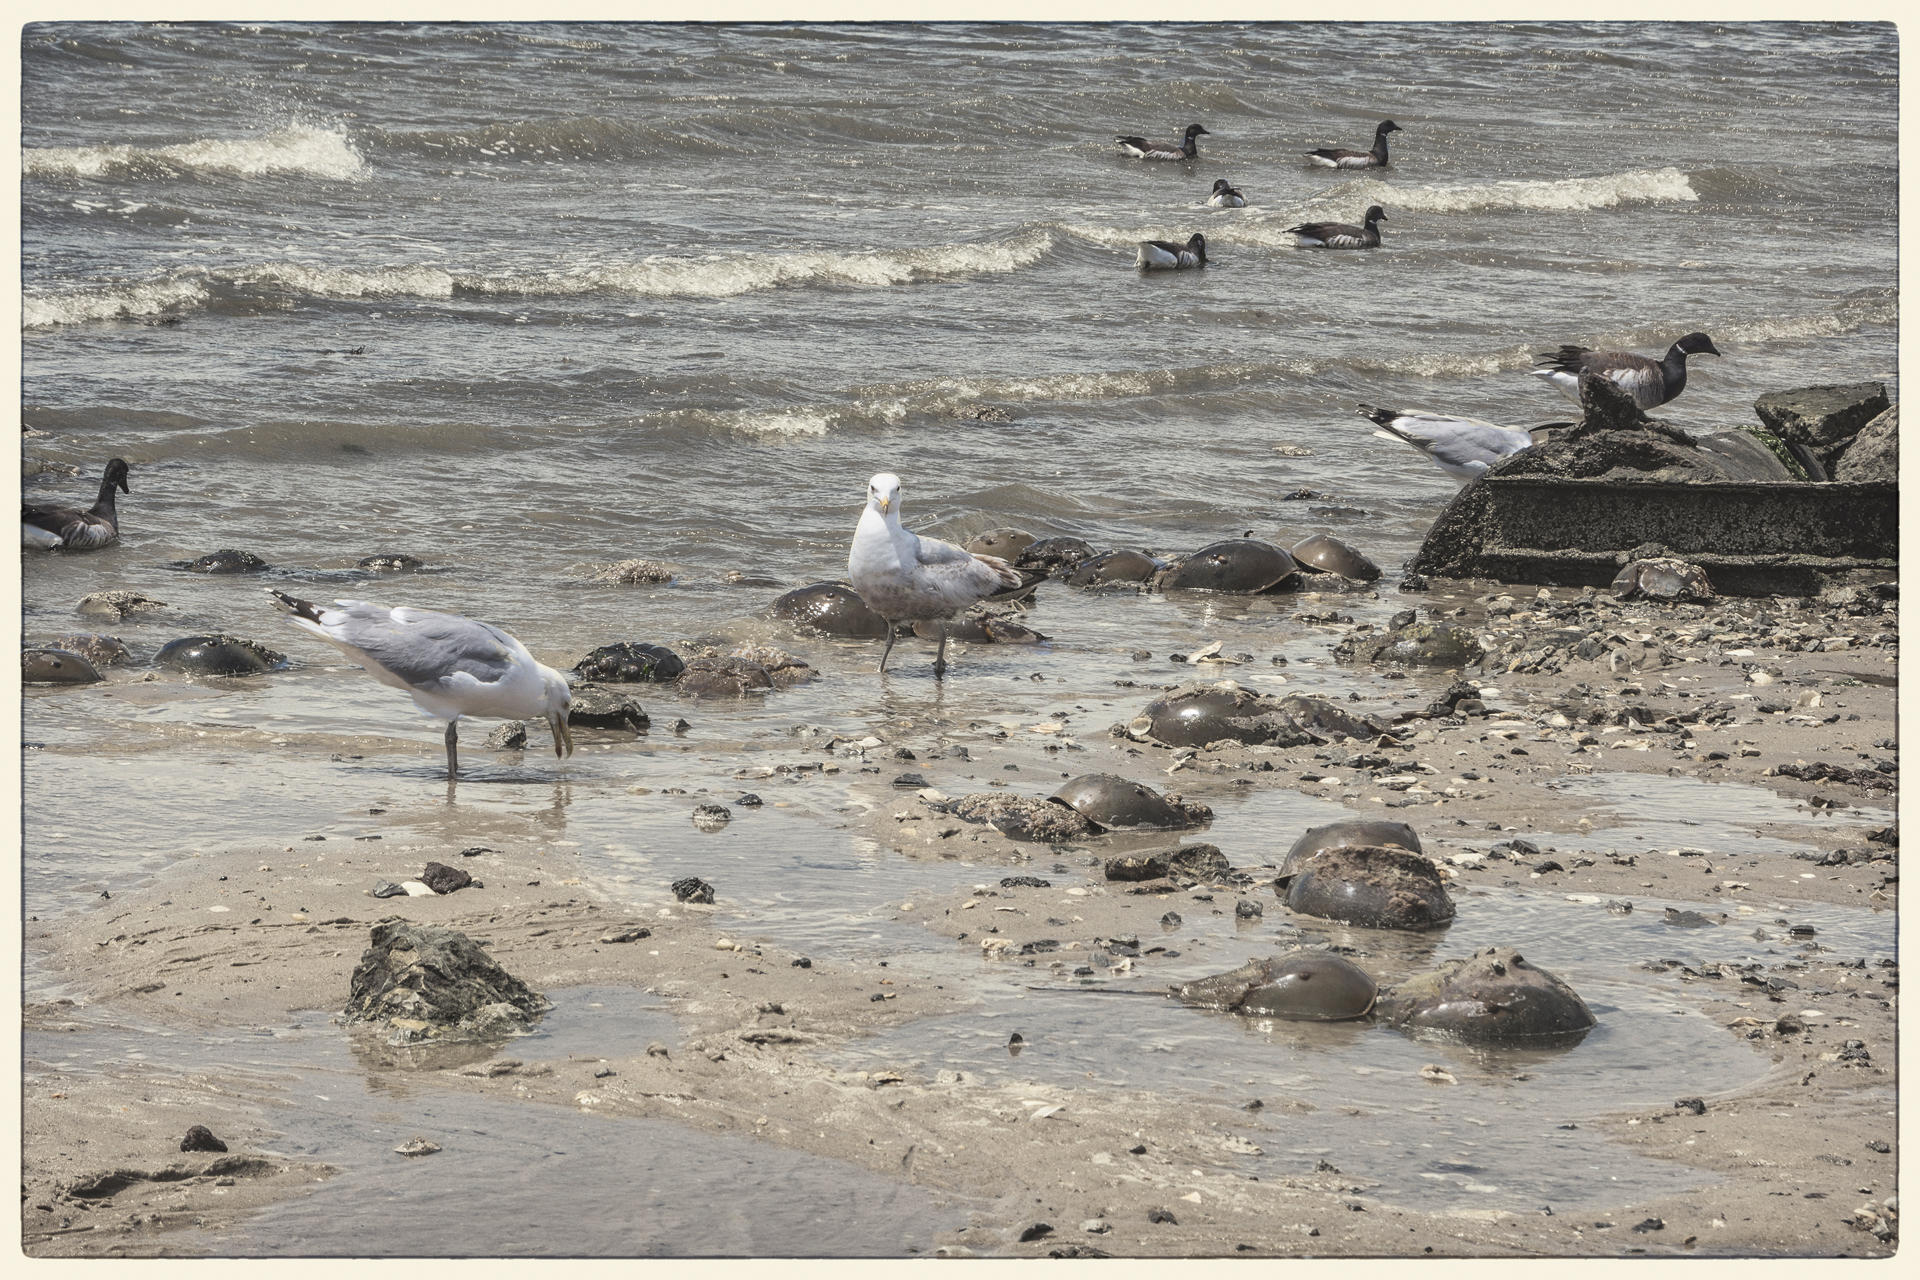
(953, 573)
(421, 648)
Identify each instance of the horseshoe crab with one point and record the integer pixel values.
(1418, 644)
(391, 562)
(1663, 578)
(228, 561)
(55, 666)
(1054, 553)
(1302, 985)
(1324, 553)
(1378, 886)
(832, 609)
(1117, 566)
(629, 663)
(101, 651)
(724, 678)
(1358, 831)
(981, 627)
(218, 655)
(1113, 802)
(1197, 714)
(1008, 544)
(1491, 997)
(1236, 566)
(1022, 818)
(597, 708)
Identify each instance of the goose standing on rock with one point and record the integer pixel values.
(1185, 149)
(1165, 255)
(48, 527)
(906, 578)
(1462, 447)
(1225, 197)
(1340, 158)
(1650, 382)
(1341, 235)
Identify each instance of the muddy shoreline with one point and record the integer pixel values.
(1785, 1164)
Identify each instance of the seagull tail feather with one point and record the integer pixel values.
(297, 607)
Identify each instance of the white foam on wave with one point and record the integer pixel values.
(117, 302)
(322, 153)
(1560, 195)
(346, 282)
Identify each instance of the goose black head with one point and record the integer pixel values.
(1197, 244)
(1193, 129)
(117, 474)
(1375, 214)
(1221, 184)
(1387, 126)
(1696, 343)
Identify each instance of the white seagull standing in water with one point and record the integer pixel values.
(906, 578)
(453, 666)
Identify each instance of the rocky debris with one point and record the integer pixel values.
(1663, 578)
(632, 573)
(1197, 715)
(101, 651)
(629, 662)
(1378, 886)
(218, 655)
(417, 1146)
(1880, 779)
(1234, 566)
(724, 678)
(427, 982)
(693, 889)
(1491, 997)
(442, 878)
(1874, 454)
(56, 666)
(711, 817)
(1825, 419)
(119, 605)
(1115, 803)
(1414, 644)
(595, 707)
(200, 1138)
(1302, 985)
(829, 608)
(391, 562)
(1022, 818)
(228, 561)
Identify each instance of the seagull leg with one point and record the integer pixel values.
(940, 655)
(889, 649)
(453, 751)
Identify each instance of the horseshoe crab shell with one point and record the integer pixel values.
(630, 663)
(1491, 997)
(982, 628)
(228, 561)
(55, 666)
(1358, 831)
(218, 655)
(1324, 553)
(1377, 886)
(1663, 578)
(1418, 644)
(1238, 566)
(830, 608)
(1112, 801)
(1008, 544)
(1023, 818)
(1302, 985)
(1195, 715)
(1053, 553)
(1114, 566)
(724, 678)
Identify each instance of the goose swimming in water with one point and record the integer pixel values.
(1341, 235)
(48, 527)
(1182, 150)
(906, 578)
(1225, 197)
(1340, 158)
(1462, 447)
(1650, 382)
(1165, 255)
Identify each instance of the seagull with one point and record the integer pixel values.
(1341, 235)
(1340, 158)
(906, 578)
(49, 527)
(1182, 150)
(1165, 255)
(1650, 382)
(1463, 447)
(1225, 196)
(453, 666)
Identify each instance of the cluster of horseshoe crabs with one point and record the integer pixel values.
(1085, 806)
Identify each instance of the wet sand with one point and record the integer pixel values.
(1785, 1162)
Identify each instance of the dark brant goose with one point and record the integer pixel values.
(1463, 447)
(1650, 382)
(1342, 235)
(1225, 197)
(1183, 150)
(1164, 255)
(50, 527)
(1340, 158)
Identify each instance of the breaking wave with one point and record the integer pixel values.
(321, 153)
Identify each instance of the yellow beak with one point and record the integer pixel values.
(885, 505)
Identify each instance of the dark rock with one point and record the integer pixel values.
(1697, 1106)
(1162, 1216)
(1788, 1024)
(911, 780)
(1235, 566)
(1199, 714)
(511, 736)
(830, 608)
(433, 982)
(724, 678)
(1874, 454)
(218, 655)
(228, 562)
(1116, 803)
(1021, 818)
(1663, 578)
(1025, 882)
(693, 889)
(1301, 985)
(626, 935)
(442, 878)
(56, 666)
(1491, 997)
(1324, 553)
(391, 562)
(1357, 831)
(748, 800)
(1378, 886)
(1825, 418)
(200, 1138)
(1248, 909)
(630, 663)
(1136, 867)
(597, 708)
(1037, 1231)
(711, 817)
(1687, 919)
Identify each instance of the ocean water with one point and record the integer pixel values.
(522, 300)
